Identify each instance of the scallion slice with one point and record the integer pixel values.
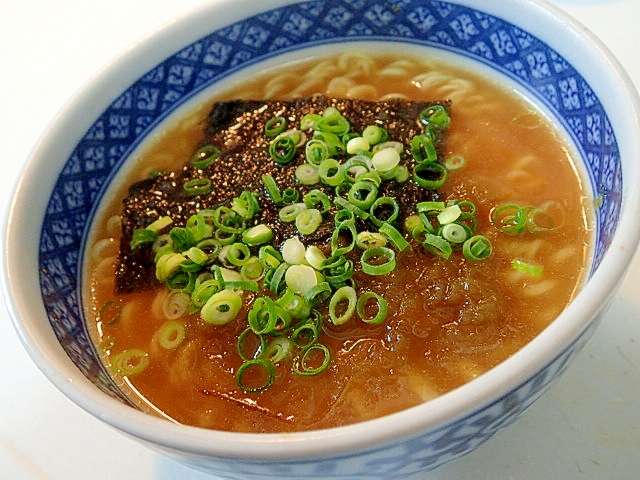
(308, 221)
(261, 368)
(282, 149)
(197, 186)
(205, 156)
(363, 307)
(430, 175)
(221, 308)
(302, 364)
(275, 126)
(477, 248)
(342, 295)
(272, 188)
(132, 361)
(171, 334)
(528, 268)
(378, 261)
(307, 174)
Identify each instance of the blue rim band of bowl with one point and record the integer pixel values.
(124, 124)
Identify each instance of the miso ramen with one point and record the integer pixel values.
(420, 312)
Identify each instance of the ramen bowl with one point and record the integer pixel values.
(548, 56)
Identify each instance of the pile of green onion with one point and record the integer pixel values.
(220, 254)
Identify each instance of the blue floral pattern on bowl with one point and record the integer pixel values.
(461, 30)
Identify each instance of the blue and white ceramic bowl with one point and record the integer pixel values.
(550, 57)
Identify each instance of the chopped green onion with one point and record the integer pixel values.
(293, 251)
(238, 254)
(275, 126)
(316, 152)
(449, 215)
(340, 246)
(282, 149)
(454, 233)
(384, 209)
(197, 256)
(437, 245)
(411, 222)
(309, 120)
(110, 312)
(197, 186)
(385, 160)
(332, 121)
(171, 334)
(257, 235)
(159, 224)
(308, 221)
(272, 188)
(307, 174)
(455, 162)
(394, 236)
(347, 205)
(314, 256)
(374, 134)
(362, 307)
(356, 166)
(289, 213)
(269, 257)
(305, 334)
(366, 240)
(339, 274)
(221, 308)
(130, 362)
(276, 282)
(168, 264)
(548, 216)
(290, 195)
(527, 268)
(252, 269)
(341, 295)
(430, 206)
(317, 199)
(302, 362)
(356, 145)
(205, 156)
(401, 174)
(176, 305)
(249, 345)
(362, 194)
(378, 261)
(279, 349)
(246, 205)
(430, 175)
(423, 148)
(228, 220)
(242, 285)
(331, 172)
(477, 248)
(510, 218)
(258, 367)
(300, 278)
(435, 116)
(204, 291)
(318, 293)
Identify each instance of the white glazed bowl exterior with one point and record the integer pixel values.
(398, 445)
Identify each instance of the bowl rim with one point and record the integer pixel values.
(31, 324)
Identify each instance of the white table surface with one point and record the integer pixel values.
(587, 427)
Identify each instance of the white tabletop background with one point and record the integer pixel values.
(586, 427)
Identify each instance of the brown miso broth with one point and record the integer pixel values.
(448, 321)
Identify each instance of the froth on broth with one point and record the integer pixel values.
(449, 320)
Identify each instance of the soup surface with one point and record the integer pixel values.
(448, 320)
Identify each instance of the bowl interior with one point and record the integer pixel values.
(181, 78)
